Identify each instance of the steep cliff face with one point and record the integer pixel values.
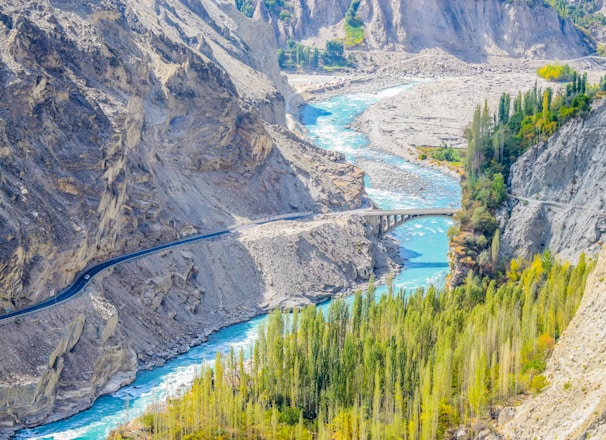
(472, 29)
(561, 186)
(124, 124)
(469, 29)
(573, 406)
(119, 126)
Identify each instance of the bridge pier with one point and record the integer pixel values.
(384, 223)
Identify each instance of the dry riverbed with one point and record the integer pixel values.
(443, 95)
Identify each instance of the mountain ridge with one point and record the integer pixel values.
(470, 30)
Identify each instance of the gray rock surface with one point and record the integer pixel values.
(469, 29)
(462, 435)
(573, 406)
(506, 414)
(561, 190)
(125, 124)
(487, 434)
(472, 29)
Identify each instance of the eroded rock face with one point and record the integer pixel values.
(562, 186)
(469, 29)
(308, 20)
(79, 342)
(573, 405)
(472, 29)
(125, 124)
(141, 313)
(119, 127)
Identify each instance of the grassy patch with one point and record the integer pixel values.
(335, 68)
(453, 158)
(354, 34)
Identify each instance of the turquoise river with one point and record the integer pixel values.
(423, 243)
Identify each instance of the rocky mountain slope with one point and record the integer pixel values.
(472, 28)
(125, 124)
(469, 29)
(573, 406)
(561, 206)
(308, 18)
(561, 186)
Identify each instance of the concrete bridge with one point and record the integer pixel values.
(384, 221)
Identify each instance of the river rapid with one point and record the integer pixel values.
(391, 183)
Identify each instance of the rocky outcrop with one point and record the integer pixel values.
(472, 29)
(469, 29)
(125, 124)
(561, 192)
(141, 313)
(573, 406)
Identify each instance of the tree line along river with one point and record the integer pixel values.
(423, 243)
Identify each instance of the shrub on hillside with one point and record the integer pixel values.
(556, 72)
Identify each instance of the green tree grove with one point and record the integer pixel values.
(405, 366)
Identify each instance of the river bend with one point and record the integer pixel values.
(391, 182)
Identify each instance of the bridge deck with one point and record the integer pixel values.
(384, 221)
(428, 211)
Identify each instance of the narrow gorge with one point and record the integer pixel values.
(128, 124)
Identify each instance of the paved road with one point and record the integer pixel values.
(414, 212)
(88, 274)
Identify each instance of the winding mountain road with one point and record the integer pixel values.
(87, 275)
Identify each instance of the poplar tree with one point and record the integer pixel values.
(494, 247)
(504, 106)
(410, 365)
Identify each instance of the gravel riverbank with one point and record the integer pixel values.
(438, 106)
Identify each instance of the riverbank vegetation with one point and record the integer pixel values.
(495, 141)
(408, 366)
(354, 28)
(299, 56)
(453, 158)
